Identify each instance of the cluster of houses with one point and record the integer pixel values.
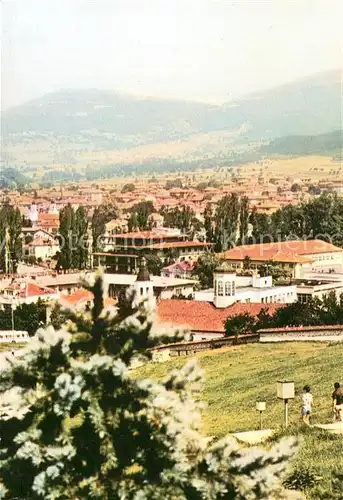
(314, 267)
(176, 291)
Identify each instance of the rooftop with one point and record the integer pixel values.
(281, 251)
(81, 297)
(24, 289)
(203, 316)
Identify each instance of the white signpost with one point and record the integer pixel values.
(285, 391)
(260, 406)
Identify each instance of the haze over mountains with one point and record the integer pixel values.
(308, 106)
(97, 120)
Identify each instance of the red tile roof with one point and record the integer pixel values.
(81, 297)
(203, 316)
(281, 251)
(48, 217)
(183, 265)
(30, 290)
(34, 290)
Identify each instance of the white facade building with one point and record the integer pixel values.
(228, 288)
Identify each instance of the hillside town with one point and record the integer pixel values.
(194, 266)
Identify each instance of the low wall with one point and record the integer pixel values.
(329, 333)
(187, 348)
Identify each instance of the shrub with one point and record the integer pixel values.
(77, 425)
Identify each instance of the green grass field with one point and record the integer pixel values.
(235, 378)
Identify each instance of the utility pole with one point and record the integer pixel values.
(12, 314)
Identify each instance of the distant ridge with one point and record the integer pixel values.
(60, 127)
(301, 145)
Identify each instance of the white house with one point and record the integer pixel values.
(230, 288)
(42, 245)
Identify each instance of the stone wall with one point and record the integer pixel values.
(329, 333)
(189, 348)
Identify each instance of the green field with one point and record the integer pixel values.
(235, 378)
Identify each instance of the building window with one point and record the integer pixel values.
(228, 288)
(220, 288)
(303, 297)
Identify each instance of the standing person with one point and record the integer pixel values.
(306, 407)
(337, 402)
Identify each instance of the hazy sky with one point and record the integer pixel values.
(195, 49)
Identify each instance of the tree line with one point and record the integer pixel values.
(320, 217)
(26, 317)
(231, 222)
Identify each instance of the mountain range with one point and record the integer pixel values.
(69, 121)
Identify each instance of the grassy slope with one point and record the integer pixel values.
(236, 378)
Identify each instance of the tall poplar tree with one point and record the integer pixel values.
(66, 231)
(10, 238)
(80, 252)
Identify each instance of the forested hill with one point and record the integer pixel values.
(11, 178)
(300, 145)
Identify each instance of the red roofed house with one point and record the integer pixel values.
(297, 256)
(48, 222)
(25, 292)
(43, 245)
(82, 299)
(182, 269)
(204, 319)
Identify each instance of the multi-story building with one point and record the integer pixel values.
(129, 248)
(298, 257)
(229, 289)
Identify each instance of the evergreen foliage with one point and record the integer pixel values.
(10, 237)
(77, 425)
(74, 238)
(182, 218)
(140, 216)
(26, 317)
(319, 218)
(204, 269)
(228, 224)
(101, 216)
